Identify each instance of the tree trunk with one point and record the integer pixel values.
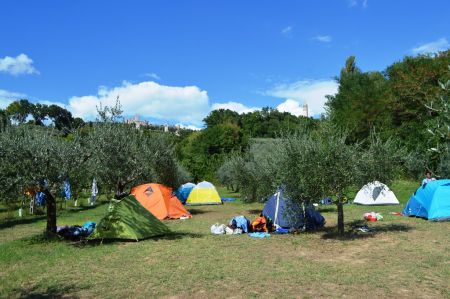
(51, 211)
(340, 209)
(120, 189)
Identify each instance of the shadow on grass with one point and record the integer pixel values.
(352, 232)
(72, 210)
(3, 210)
(14, 222)
(49, 292)
(169, 236)
(198, 211)
(328, 209)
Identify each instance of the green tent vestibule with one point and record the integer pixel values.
(127, 219)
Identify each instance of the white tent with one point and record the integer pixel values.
(375, 193)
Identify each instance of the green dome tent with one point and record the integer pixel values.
(127, 219)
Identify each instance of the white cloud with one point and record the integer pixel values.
(234, 106)
(287, 31)
(7, 97)
(306, 92)
(293, 107)
(354, 3)
(46, 102)
(148, 99)
(190, 127)
(153, 76)
(322, 38)
(432, 47)
(19, 65)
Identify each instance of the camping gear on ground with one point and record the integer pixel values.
(159, 200)
(204, 193)
(375, 193)
(127, 219)
(259, 225)
(259, 235)
(222, 229)
(75, 232)
(183, 191)
(94, 192)
(240, 222)
(364, 229)
(281, 230)
(288, 214)
(237, 231)
(372, 216)
(228, 199)
(430, 201)
(218, 229)
(326, 201)
(89, 227)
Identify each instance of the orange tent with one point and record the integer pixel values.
(159, 200)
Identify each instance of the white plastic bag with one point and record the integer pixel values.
(218, 229)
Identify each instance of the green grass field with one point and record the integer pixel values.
(403, 257)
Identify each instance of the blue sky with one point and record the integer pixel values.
(174, 61)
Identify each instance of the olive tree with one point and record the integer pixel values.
(324, 164)
(256, 172)
(122, 155)
(38, 158)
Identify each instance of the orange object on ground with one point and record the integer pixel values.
(159, 200)
(259, 224)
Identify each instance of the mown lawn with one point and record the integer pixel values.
(403, 257)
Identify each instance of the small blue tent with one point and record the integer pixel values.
(288, 214)
(431, 201)
(183, 192)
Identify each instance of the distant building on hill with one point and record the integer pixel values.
(138, 123)
(304, 111)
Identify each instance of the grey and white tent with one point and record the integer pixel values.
(375, 193)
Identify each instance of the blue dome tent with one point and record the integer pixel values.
(431, 201)
(288, 214)
(183, 191)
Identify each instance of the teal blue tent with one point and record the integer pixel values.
(431, 201)
(183, 192)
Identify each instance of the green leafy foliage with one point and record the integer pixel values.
(392, 102)
(203, 152)
(61, 119)
(254, 173)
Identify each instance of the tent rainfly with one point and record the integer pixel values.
(160, 201)
(375, 193)
(127, 219)
(204, 193)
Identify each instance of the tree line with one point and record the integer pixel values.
(395, 102)
(23, 111)
(228, 132)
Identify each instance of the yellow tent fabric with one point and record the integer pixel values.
(204, 193)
